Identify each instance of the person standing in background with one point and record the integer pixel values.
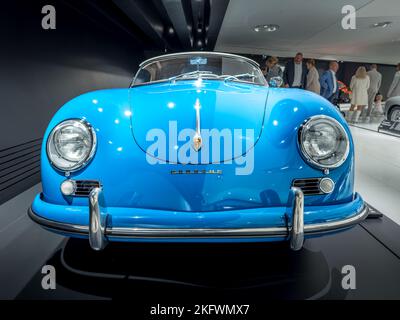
(312, 79)
(375, 79)
(272, 69)
(328, 81)
(295, 72)
(394, 89)
(378, 110)
(359, 86)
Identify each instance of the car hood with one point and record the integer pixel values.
(164, 119)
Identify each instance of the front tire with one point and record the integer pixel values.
(394, 113)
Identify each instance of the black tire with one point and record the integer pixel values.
(394, 112)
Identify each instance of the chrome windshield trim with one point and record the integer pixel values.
(178, 54)
(132, 85)
(195, 233)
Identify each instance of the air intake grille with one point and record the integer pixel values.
(83, 187)
(309, 186)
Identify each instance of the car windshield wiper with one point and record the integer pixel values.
(192, 73)
(238, 76)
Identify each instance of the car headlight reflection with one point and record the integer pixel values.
(324, 142)
(71, 145)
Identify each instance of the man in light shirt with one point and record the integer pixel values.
(394, 89)
(329, 84)
(375, 80)
(295, 72)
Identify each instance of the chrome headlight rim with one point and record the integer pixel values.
(85, 161)
(306, 125)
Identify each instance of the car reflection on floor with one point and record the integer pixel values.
(187, 272)
(149, 270)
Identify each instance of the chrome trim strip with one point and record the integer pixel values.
(171, 55)
(176, 233)
(333, 225)
(297, 227)
(197, 140)
(197, 233)
(58, 226)
(97, 221)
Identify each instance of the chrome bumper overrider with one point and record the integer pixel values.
(294, 231)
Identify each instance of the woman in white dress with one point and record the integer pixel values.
(359, 98)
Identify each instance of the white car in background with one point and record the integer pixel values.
(392, 109)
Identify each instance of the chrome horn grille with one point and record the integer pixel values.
(309, 186)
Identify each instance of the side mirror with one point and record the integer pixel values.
(275, 82)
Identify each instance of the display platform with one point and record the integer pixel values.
(377, 123)
(243, 272)
(391, 128)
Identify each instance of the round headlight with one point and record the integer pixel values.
(324, 142)
(71, 144)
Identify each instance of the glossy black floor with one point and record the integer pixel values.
(187, 272)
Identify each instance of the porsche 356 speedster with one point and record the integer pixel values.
(198, 148)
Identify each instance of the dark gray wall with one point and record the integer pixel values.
(41, 69)
(387, 78)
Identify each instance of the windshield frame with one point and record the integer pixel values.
(197, 53)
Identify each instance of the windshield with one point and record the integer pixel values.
(206, 66)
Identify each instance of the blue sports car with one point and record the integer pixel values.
(199, 149)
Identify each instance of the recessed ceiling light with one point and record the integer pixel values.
(266, 28)
(383, 24)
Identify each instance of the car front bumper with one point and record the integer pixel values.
(293, 222)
